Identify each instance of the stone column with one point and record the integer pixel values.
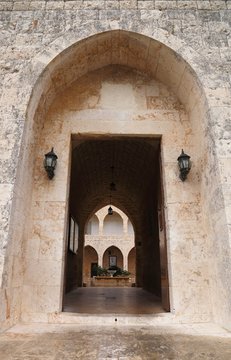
(100, 260)
(126, 262)
(100, 226)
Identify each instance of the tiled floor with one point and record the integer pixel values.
(59, 342)
(100, 300)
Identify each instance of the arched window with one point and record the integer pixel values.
(113, 257)
(93, 226)
(113, 225)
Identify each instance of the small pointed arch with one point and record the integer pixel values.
(118, 207)
(90, 260)
(113, 224)
(113, 257)
(92, 226)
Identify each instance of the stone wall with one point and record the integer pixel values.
(33, 34)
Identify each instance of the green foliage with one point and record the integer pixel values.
(119, 271)
(100, 271)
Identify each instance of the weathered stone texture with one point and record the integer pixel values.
(33, 34)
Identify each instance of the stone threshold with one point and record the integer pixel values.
(194, 329)
(112, 319)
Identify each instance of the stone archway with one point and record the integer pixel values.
(150, 108)
(116, 253)
(90, 258)
(190, 93)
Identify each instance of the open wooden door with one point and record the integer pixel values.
(163, 243)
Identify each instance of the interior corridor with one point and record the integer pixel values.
(101, 300)
(124, 174)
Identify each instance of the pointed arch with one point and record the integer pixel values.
(90, 259)
(113, 257)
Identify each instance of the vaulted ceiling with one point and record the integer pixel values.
(135, 174)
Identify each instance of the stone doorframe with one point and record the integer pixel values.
(40, 87)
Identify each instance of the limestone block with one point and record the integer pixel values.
(226, 192)
(51, 246)
(21, 5)
(73, 5)
(176, 190)
(182, 300)
(164, 5)
(95, 4)
(6, 193)
(43, 272)
(218, 5)
(184, 89)
(29, 299)
(51, 192)
(48, 298)
(17, 272)
(188, 229)
(191, 5)
(3, 309)
(34, 317)
(112, 4)
(205, 5)
(185, 211)
(54, 5)
(6, 6)
(33, 245)
(145, 4)
(128, 4)
(37, 5)
(225, 170)
(119, 92)
(16, 298)
(219, 96)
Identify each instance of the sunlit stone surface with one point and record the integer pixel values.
(115, 343)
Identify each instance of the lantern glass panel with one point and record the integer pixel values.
(185, 163)
(54, 162)
(49, 161)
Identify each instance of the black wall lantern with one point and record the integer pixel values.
(110, 211)
(184, 165)
(50, 162)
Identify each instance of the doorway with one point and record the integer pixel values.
(138, 193)
(93, 269)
